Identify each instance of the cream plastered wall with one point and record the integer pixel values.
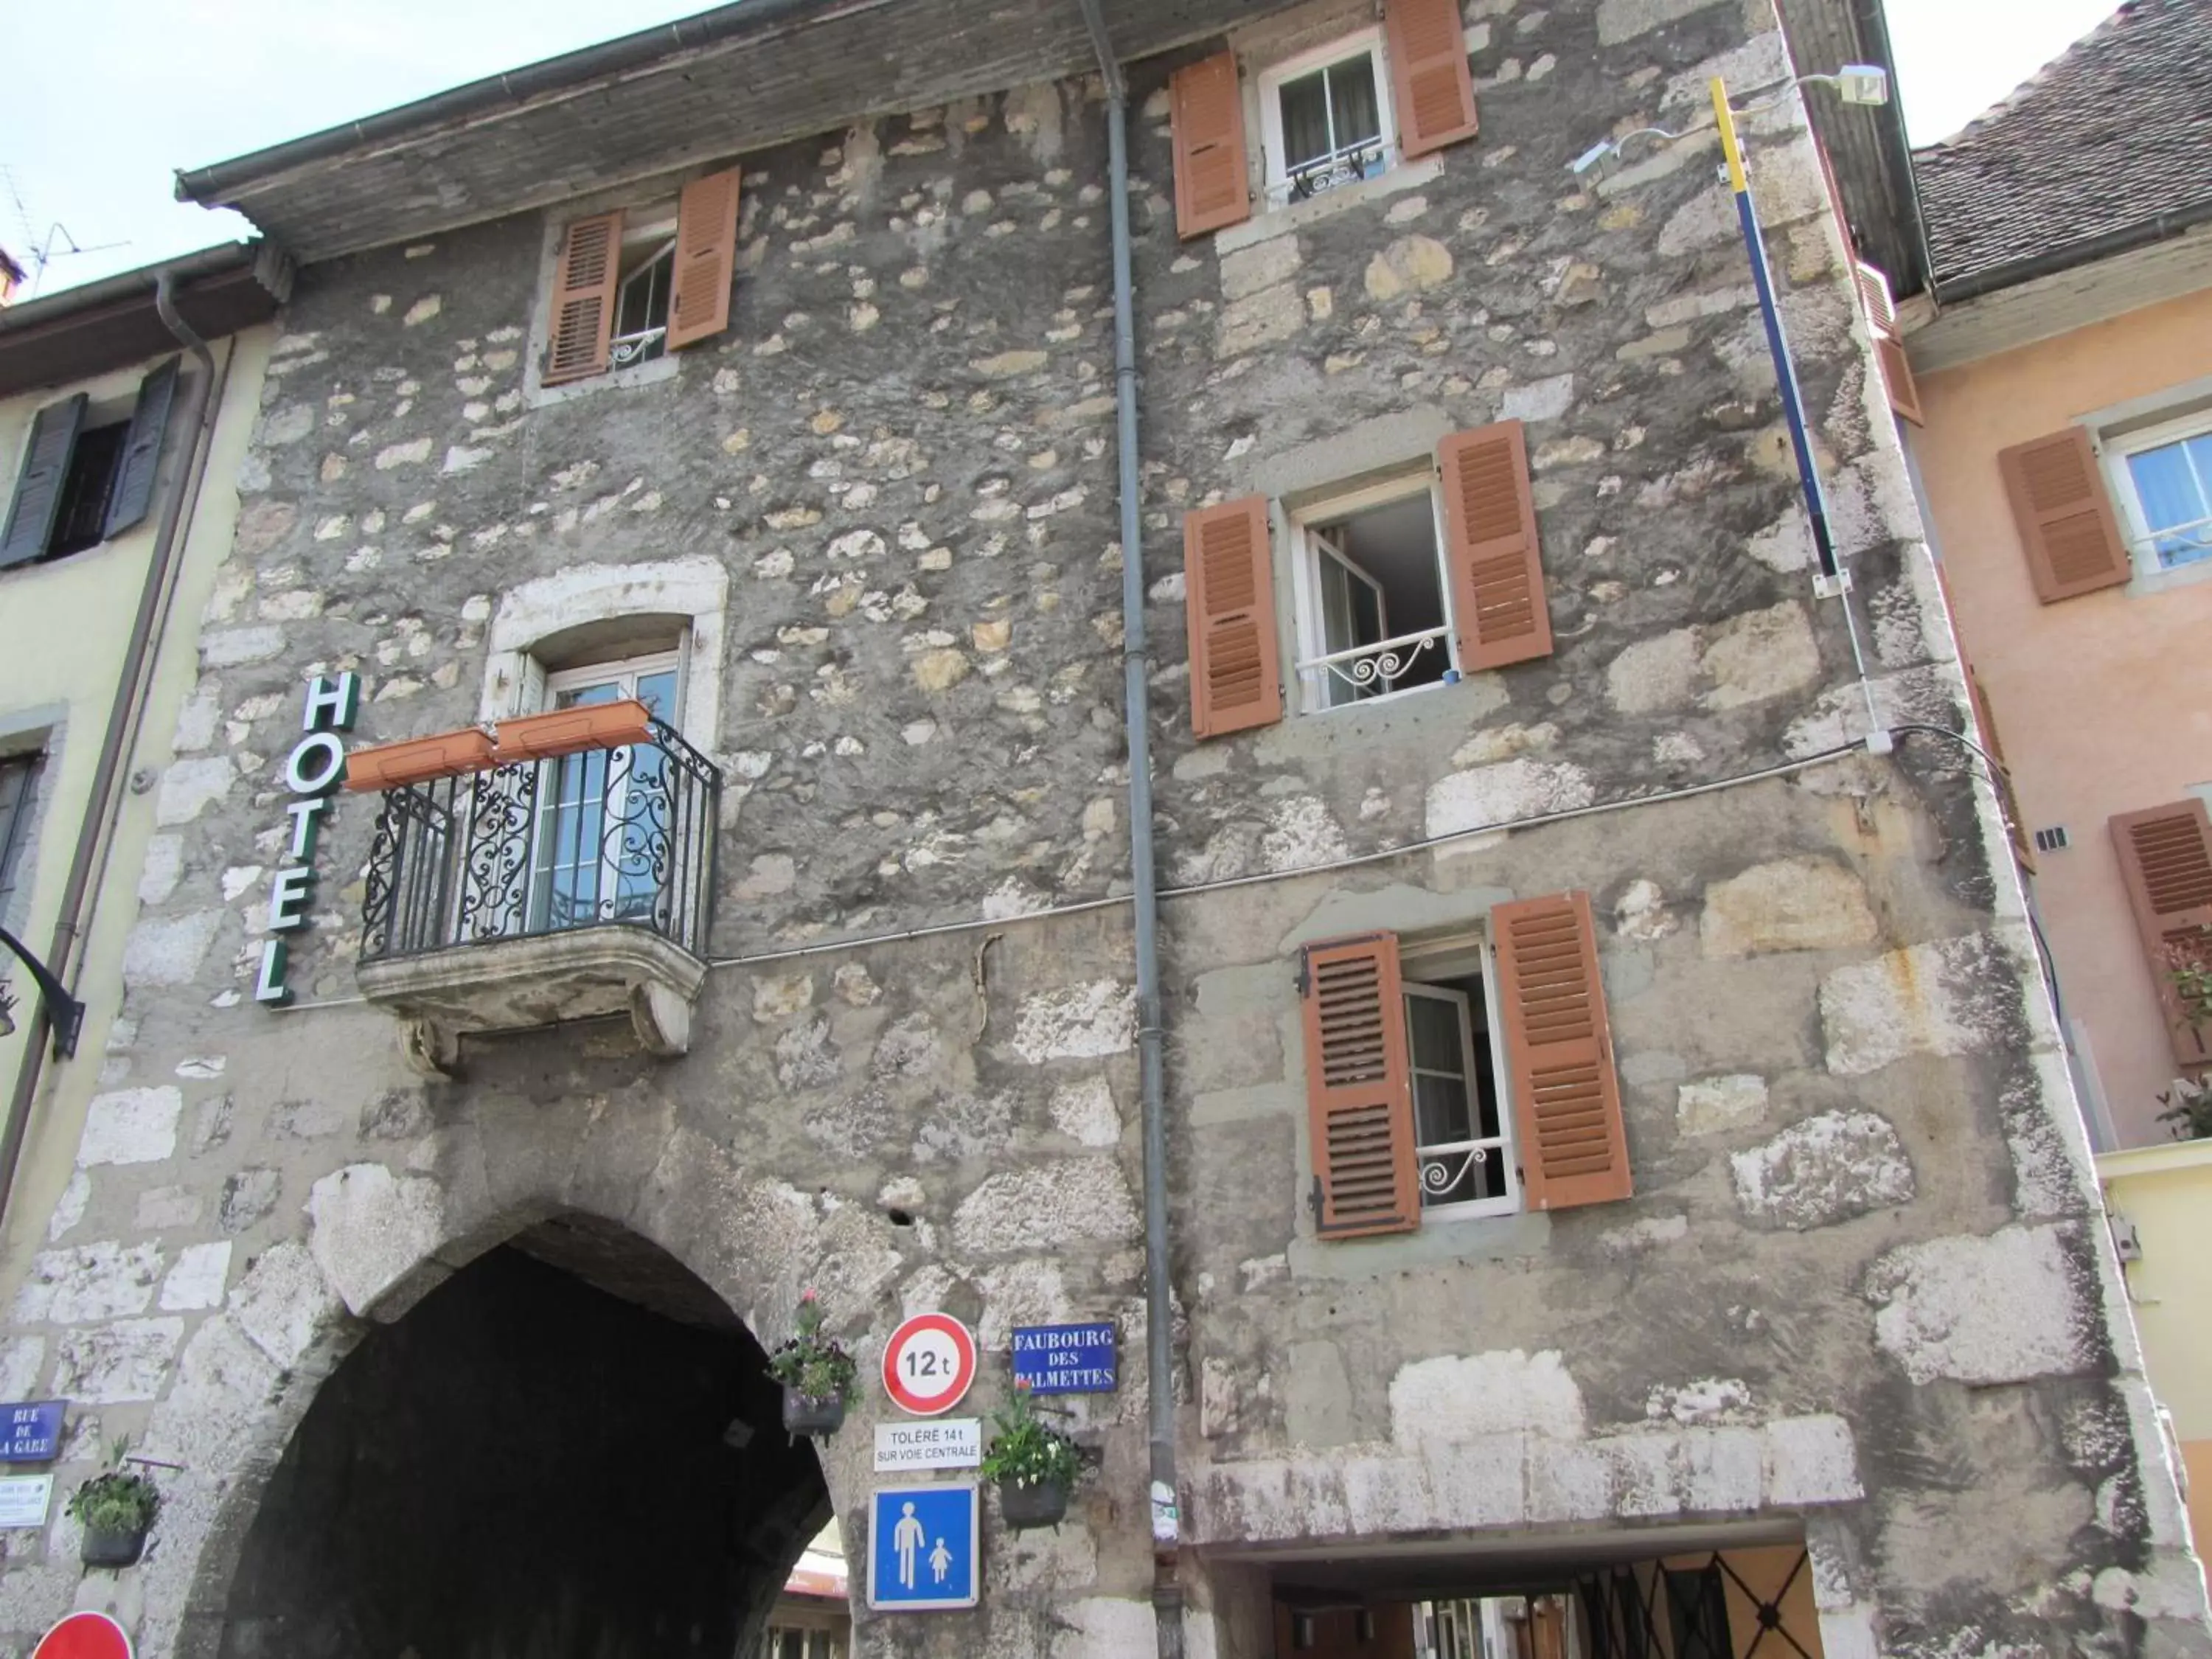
(2165, 1194)
(2104, 702)
(64, 627)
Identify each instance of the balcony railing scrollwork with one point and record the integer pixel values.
(604, 858)
(1371, 671)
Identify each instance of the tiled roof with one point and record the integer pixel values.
(2106, 137)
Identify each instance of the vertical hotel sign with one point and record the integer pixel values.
(314, 768)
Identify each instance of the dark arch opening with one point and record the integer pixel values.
(570, 1447)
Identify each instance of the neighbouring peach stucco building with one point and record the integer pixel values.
(2064, 380)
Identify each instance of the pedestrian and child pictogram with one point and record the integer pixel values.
(922, 1547)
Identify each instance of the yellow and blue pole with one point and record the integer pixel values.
(1793, 409)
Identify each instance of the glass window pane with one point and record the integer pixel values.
(1440, 1115)
(2167, 486)
(586, 696)
(1305, 121)
(1433, 1023)
(657, 692)
(1352, 101)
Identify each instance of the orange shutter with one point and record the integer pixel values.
(1210, 187)
(1498, 607)
(705, 257)
(1566, 1095)
(2067, 528)
(1429, 74)
(584, 280)
(2023, 847)
(1888, 344)
(1228, 594)
(2166, 859)
(1359, 1088)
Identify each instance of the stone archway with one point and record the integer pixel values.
(568, 1446)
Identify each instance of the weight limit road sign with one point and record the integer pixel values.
(929, 1364)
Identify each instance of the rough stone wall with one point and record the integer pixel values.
(1861, 1281)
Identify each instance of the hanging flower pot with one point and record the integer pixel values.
(811, 1417)
(815, 1371)
(1035, 1466)
(107, 1546)
(418, 760)
(1041, 1503)
(574, 730)
(116, 1508)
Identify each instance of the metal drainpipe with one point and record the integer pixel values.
(1136, 674)
(125, 716)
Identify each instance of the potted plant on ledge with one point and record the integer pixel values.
(817, 1374)
(116, 1508)
(2188, 970)
(1035, 1466)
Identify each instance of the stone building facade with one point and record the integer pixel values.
(468, 1339)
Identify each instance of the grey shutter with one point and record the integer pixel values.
(132, 497)
(38, 490)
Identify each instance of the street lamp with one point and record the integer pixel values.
(64, 1013)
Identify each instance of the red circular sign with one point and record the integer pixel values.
(929, 1364)
(84, 1636)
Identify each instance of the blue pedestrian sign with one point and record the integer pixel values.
(1065, 1358)
(923, 1548)
(31, 1431)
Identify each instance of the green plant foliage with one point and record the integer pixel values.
(1024, 1451)
(811, 1365)
(118, 1500)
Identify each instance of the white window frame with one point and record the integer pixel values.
(631, 351)
(1310, 633)
(2142, 553)
(1369, 40)
(625, 671)
(1418, 975)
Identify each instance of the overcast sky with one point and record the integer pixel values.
(185, 83)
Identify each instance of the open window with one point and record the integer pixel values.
(1374, 617)
(1463, 1136)
(629, 286)
(1462, 1077)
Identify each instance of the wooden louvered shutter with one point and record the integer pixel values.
(2067, 528)
(1211, 186)
(706, 257)
(38, 499)
(2166, 859)
(1888, 344)
(1573, 1148)
(1429, 74)
(1229, 593)
(585, 279)
(1359, 1088)
(132, 497)
(1499, 610)
(2023, 847)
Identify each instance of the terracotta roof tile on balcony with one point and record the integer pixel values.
(2112, 136)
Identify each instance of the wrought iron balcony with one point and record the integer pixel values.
(539, 891)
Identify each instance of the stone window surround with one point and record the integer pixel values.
(652, 191)
(35, 730)
(1268, 91)
(1295, 515)
(697, 586)
(2164, 406)
(1264, 48)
